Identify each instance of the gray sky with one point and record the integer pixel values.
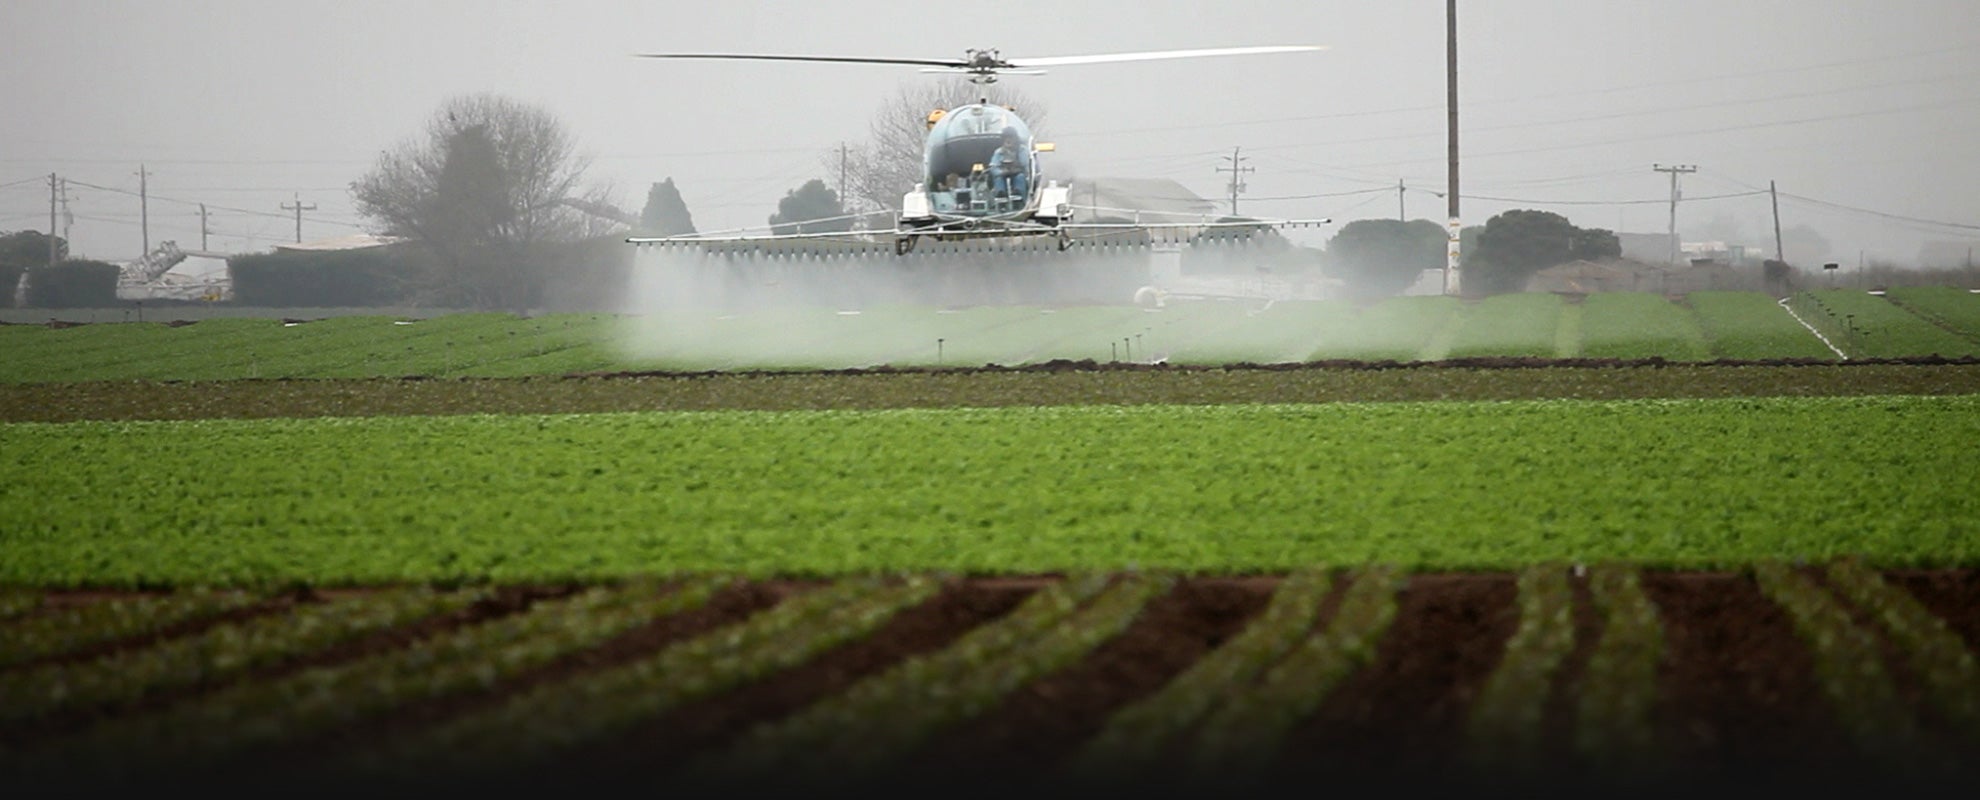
(247, 105)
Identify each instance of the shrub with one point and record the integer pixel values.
(73, 284)
(368, 277)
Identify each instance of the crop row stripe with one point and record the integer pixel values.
(1504, 725)
(68, 630)
(971, 693)
(1247, 731)
(1936, 653)
(216, 654)
(16, 602)
(900, 693)
(233, 722)
(1613, 726)
(1137, 734)
(1849, 667)
(559, 717)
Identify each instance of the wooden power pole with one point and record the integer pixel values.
(1779, 252)
(1675, 170)
(298, 208)
(1451, 260)
(1237, 180)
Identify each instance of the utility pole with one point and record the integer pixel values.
(299, 208)
(1456, 232)
(1675, 170)
(1778, 251)
(1237, 183)
(202, 227)
(144, 210)
(1402, 214)
(52, 183)
(68, 217)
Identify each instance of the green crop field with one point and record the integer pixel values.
(1222, 489)
(1033, 549)
(1703, 326)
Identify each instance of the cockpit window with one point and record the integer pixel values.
(966, 137)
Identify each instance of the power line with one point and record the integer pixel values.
(1856, 210)
(250, 212)
(1882, 214)
(1590, 202)
(1679, 134)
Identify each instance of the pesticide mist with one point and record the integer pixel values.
(977, 304)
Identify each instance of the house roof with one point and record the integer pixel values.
(1153, 199)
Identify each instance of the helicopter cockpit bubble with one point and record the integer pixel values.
(960, 140)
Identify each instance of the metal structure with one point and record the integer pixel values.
(982, 224)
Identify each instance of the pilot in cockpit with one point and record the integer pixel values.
(1010, 168)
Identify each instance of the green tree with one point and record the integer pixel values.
(666, 214)
(1515, 244)
(484, 192)
(20, 252)
(1381, 257)
(811, 208)
(29, 249)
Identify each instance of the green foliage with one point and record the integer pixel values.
(10, 280)
(1395, 329)
(1521, 324)
(1515, 244)
(1952, 308)
(1381, 257)
(812, 201)
(73, 284)
(1640, 325)
(29, 249)
(21, 252)
(1751, 325)
(1231, 488)
(372, 276)
(665, 214)
(1868, 326)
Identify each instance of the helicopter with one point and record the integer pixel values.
(981, 174)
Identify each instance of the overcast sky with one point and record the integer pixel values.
(1865, 112)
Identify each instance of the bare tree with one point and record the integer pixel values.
(888, 163)
(485, 190)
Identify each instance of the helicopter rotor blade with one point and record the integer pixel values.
(933, 62)
(1055, 61)
(999, 72)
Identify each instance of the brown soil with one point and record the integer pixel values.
(1740, 706)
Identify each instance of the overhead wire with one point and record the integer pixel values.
(250, 212)
(1852, 209)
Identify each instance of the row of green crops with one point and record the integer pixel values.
(1020, 489)
(526, 684)
(1955, 309)
(1705, 325)
(1865, 325)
